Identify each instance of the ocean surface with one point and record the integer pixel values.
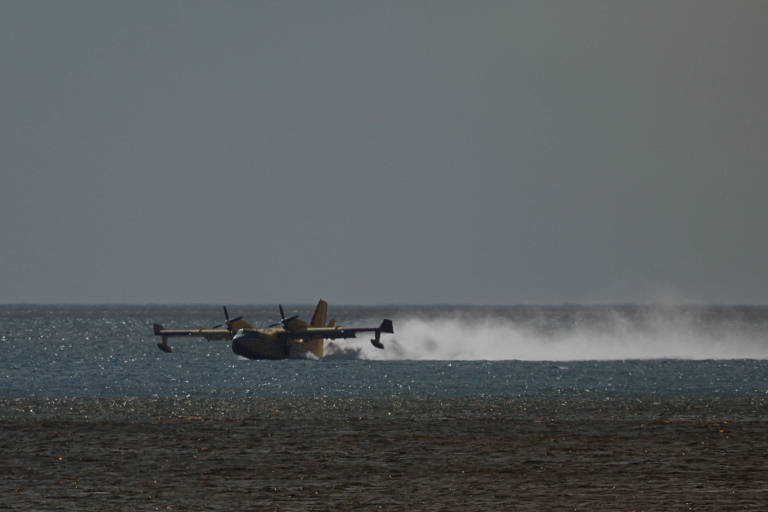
(466, 408)
(437, 352)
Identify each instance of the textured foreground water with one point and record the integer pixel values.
(666, 412)
(386, 454)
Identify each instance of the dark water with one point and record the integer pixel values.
(110, 352)
(520, 408)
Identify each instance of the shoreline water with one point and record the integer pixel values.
(347, 454)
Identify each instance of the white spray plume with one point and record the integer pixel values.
(615, 337)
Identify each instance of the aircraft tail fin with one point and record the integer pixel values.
(318, 319)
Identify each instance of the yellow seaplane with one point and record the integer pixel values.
(291, 338)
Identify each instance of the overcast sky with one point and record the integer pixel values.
(383, 152)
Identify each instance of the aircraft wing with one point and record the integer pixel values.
(209, 334)
(332, 333)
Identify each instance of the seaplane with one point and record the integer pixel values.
(291, 338)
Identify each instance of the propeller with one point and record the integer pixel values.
(283, 320)
(228, 322)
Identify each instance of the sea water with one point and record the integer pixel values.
(471, 408)
(436, 352)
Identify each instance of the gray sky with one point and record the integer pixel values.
(383, 152)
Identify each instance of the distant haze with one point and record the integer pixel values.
(383, 152)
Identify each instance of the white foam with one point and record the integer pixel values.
(492, 338)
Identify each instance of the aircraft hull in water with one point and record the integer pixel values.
(259, 345)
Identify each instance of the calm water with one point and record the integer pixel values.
(436, 352)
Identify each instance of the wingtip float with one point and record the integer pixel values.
(291, 338)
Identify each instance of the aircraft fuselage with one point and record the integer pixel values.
(274, 344)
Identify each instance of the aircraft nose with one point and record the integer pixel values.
(238, 348)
